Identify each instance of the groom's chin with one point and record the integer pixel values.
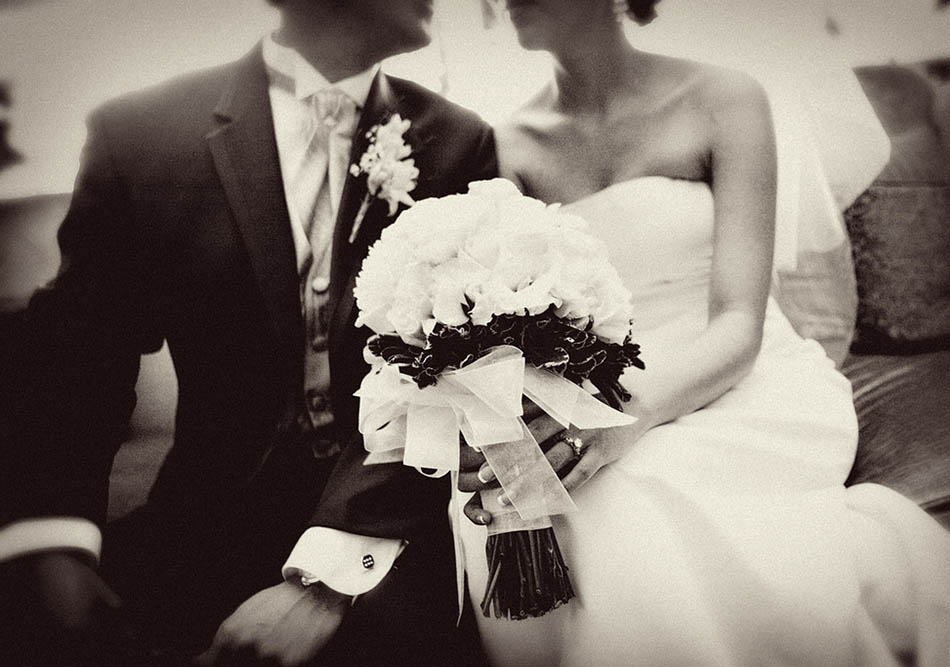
(407, 23)
(424, 38)
(420, 36)
(410, 45)
(529, 42)
(530, 34)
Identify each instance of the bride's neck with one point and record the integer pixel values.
(587, 77)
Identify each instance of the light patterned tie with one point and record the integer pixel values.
(325, 164)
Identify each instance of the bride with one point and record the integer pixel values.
(716, 529)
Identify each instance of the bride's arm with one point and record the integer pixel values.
(681, 380)
(742, 156)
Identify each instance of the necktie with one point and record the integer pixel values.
(325, 164)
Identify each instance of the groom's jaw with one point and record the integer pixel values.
(343, 37)
(401, 25)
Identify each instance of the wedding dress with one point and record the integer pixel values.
(726, 537)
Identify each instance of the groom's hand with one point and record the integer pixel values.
(285, 625)
(55, 609)
(63, 590)
(476, 475)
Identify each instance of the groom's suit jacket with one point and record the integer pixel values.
(178, 231)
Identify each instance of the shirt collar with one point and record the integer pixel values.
(287, 67)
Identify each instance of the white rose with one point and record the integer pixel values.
(377, 281)
(494, 248)
(411, 303)
(451, 281)
(494, 189)
(445, 224)
(490, 297)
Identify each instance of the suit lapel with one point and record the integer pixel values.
(380, 103)
(245, 155)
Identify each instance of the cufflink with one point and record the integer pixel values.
(368, 561)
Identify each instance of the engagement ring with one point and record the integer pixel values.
(576, 444)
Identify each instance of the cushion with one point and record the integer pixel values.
(904, 425)
(900, 237)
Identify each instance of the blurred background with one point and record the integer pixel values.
(60, 58)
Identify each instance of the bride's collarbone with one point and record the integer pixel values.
(564, 175)
(609, 153)
(561, 164)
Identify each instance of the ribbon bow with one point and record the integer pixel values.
(482, 402)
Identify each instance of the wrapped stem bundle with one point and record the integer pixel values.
(527, 575)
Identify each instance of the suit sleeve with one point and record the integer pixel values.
(485, 157)
(393, 500)
(77, 347)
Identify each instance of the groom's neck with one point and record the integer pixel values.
(336, 47)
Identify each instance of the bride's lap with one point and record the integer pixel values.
(662, 571)
(783, 428)
(743, 496)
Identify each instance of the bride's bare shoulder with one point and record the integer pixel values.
(711, 87)
(521, 138)
(534, 119)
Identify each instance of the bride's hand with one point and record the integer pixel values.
(595, 448)
(598, 447)
(475, 475)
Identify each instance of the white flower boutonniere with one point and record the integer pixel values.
(390, 173)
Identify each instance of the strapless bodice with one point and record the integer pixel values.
(658, 233)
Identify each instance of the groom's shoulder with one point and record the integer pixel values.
(182, 102)
(434, 110)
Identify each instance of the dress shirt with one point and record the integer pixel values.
(336, 558)
(350, 564)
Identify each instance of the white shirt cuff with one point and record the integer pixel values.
(28, 536)
(347, 563)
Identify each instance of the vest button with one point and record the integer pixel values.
(320, 284)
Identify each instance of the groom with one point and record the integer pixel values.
(217, 213)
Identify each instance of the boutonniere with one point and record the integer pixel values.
(390, 173)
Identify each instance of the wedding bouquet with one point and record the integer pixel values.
(477, 300)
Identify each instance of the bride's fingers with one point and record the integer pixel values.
(529, 409)
(474, 472)
(544, 428)
(559, 455)
(470, 459)
(475, 512)
(589, 463)
(477, 480)
(476, 475)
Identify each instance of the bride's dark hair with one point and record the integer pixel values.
(642, 11)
